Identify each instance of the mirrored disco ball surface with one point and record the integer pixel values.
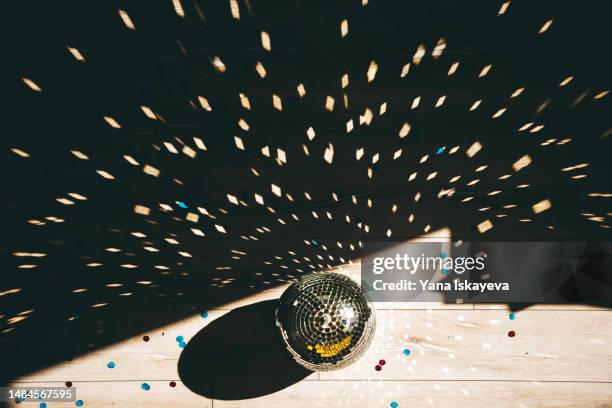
(325, 321)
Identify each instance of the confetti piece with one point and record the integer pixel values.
(511, 333)
(546, 26)
(127, 20)
(512, 316)
(145, 338)
(542, 206)
(378, 368)
(522, 163)
(111, 364)
(406, 352)
(265, 41)
(372, 70)
(394, 404)
(172, 384)
(485, 226)
(204, 314)
(145, 386)
(344, 28)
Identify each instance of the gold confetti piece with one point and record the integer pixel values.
(112, 122)
(525, 126)
(424, 159)
(485, 70)
(417, 197)
(31, 84)
(265, 41)
(370, 172)
(475, 105)
(503, 8)
(601, 94)
(260, 69)
(453, 68)
(546, 26)
(178, 8)
(439, 48)
(453, 150)
(329, 103)
(397, 154)
(412, 176)
(329, 153)
(522, 163)
(105, 174)
(359, 153)
(199, 143)
(480, 168)
(536, 129)
(220, 228)
(148, 112)
(454, 179)
(126, 19)
(473, 182)
(405, 70)
(185, 253)
(301, 90)
(415, 102)
(142, 210)
(344, 82)
(10, 291)
(281, 155)
(517, 92)
(218, 64)
(404, 130)
(344, 28)
(239, 143)
(20, 152)
(235, 9)
(277, 103)
(419, 54)
(473, 149)
(541, 206)
(432, 175)
(485, 226)
(375, 158)
(151, 171)
(265, 151)
(372, 70)
(601, 195)
(243, 125)
(193, 217)
(499, 113)
(244, 101)
(440, 101)
(198, 232)
(577, 166)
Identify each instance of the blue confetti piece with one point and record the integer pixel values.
(394, 404)
(182, 204)
(442, 254)
(315, 242)
(204, 314)
(444, 271)
(182, 344)
(145, 386)
(79, 403)
(179, 339)
(512, 316)
(111, 364)
(43, 405)
(441, 150)
(406, 352)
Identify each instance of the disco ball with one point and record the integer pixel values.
(325, 321)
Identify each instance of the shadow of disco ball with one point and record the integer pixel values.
(325, 321)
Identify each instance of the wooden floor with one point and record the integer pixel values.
(461, 356)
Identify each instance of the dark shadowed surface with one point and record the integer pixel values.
(239, 355)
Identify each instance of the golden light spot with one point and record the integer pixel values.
(601, 94)
(404, 130)
(204, 103)
(440, 101)
(475, 105)
(178, 8)
(541, 206)
(301, 90)
(126, 19)
(499, 113)
(344, 28)
(329, 153)
(419, 54)
(76, 54)
(105, 174)
(261, 70)
(112, 122)
(372, 69)
(522, 163)
(329, 103)
(79, 155)
(439, 48)
(546, 26)
(517, 92)
(566, 81)
(415, 102)
(33, 86)
(485, 226)
(473, 149)
(218, 64)
(20, 152)
(235, 9)
(265, 41)
(151, 171)
(503, 8)
(453, 68)
(405, 70)
(485, 70)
